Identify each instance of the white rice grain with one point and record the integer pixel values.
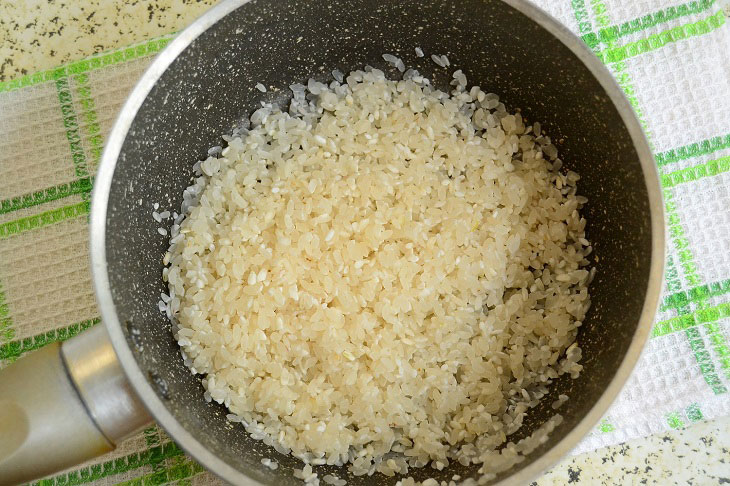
(438, 60)
(342, 266)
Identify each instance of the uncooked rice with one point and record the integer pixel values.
(396, 62)
(337, 74)
(385, 276)
(441, 61)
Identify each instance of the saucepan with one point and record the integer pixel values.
(79, 399)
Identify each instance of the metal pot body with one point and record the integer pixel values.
(203, 85)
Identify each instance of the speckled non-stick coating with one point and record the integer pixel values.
(210, 88)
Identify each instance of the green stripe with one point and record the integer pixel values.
(178, 472)
(704, 361)
(152, 436)
(702, 355)
(45, 196)
(600, 12)
(581, 16)
(656, 41)
(705, 316)
(680, 240)
(40, 220)
(13, 350)
(694, 338)
(708, 169)
(90, 64)
(648, 21)
(622, 77)
(693, 150)
(708, 315)
(693, 412)
(585, 29)
(674, 420)
(90, 119)
(682, 298)
(6, 323)
(672, 276)
(149, 457)
(71, 125)
(605, 427)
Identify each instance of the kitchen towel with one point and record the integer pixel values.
(671, 59)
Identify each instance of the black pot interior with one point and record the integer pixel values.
(210, 88)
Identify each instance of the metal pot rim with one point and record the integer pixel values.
(139, 381)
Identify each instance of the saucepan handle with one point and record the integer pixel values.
(62, 405)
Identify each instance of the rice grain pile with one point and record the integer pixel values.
(386, 276)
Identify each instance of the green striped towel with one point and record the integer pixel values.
(670, 58)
